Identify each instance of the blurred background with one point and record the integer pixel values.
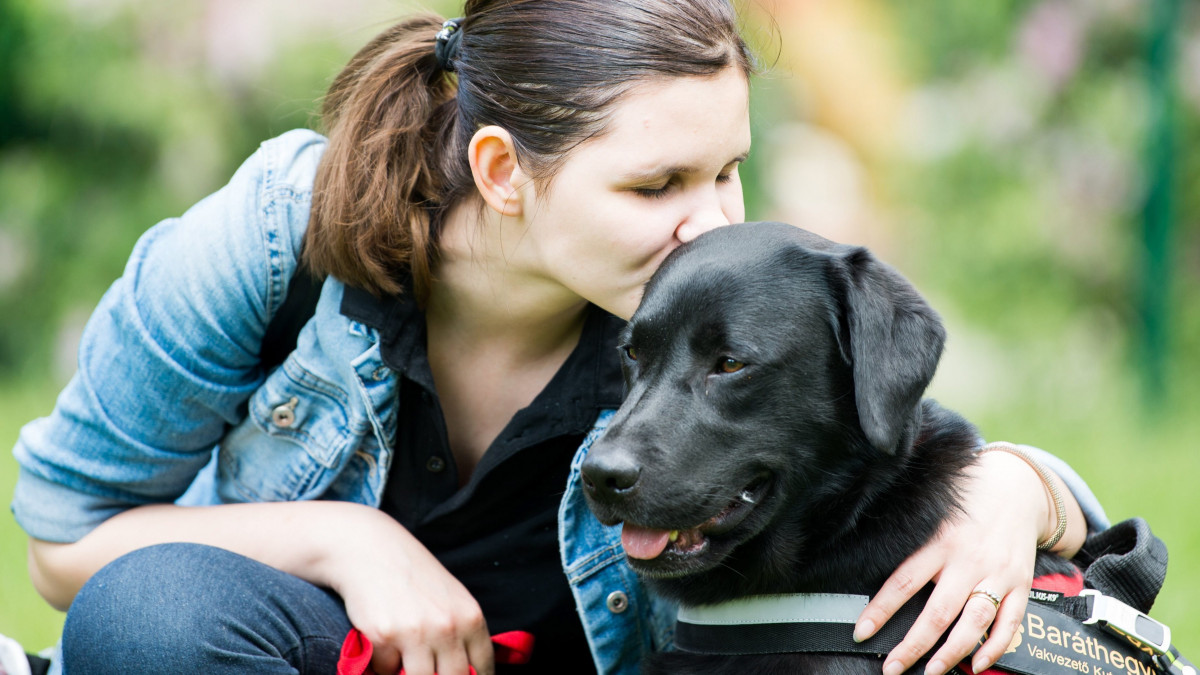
(1028, 164)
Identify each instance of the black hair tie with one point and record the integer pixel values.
(447, 42)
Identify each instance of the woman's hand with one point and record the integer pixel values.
(416, 614)
(991, 547)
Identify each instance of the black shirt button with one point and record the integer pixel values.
(435, 464)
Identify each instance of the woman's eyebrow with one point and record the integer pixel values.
(660, 172)
(655, 173)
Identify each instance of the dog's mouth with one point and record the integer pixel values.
(662, 552)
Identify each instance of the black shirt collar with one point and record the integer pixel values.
(588, 381)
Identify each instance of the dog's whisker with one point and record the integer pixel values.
(732, 569)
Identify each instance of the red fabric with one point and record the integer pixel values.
(1067, 584)
(513, 647)
(355, 658)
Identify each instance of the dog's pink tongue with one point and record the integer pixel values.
(642, 542)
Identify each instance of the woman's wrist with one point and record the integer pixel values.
(1076, 524)
(1061, 525)
(350, 534)
(1027, 498)
(1054, 532)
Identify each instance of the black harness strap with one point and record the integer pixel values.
(1101, 631)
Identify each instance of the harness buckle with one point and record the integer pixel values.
(1127, 622)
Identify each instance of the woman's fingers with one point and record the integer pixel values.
(445, 643)
(1008, 620)
(450, 636)
(984, 609)
(416, 661)
(384, 658)
(481, 653)
(961, 607)
(421, 659)
(943, 607)
(910, 577)
(451, 663)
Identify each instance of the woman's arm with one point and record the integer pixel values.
(394, 590)
(171, 354)
(166, 365)
(1006, 510)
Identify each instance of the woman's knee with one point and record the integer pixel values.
(159, 608)
(145, 595)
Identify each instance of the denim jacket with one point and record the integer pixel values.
(171, 404)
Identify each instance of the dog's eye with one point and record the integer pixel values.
(630, 352)
(731, 365)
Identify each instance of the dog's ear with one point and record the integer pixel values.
(892, 338)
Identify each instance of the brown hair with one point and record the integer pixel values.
(547, 71)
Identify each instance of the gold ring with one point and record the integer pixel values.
(988, 595)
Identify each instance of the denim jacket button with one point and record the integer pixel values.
(617, 602)
(284, 415)
(435, 464)
(380, 373)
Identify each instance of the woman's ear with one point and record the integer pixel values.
(498, 176)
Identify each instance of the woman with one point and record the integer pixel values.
(476, 231)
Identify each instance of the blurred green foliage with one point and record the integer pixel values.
(1025, 220)
(111, 123)
(1017, 204)
(1035, 217)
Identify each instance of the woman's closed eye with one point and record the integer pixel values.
(666, 187)
(727, 175)
(656, 192)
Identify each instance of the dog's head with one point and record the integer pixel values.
(765, 367)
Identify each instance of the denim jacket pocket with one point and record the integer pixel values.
(292, 443)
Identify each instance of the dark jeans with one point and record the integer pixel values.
(188, 608)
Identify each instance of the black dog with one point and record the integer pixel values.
(773, 438)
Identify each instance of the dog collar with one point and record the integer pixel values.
(781, 608)
(795, 622)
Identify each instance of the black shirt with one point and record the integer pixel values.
(498, 535)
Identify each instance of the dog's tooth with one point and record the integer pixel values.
(674, 535)
(747, 497)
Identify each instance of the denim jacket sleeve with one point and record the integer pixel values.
(171, 354)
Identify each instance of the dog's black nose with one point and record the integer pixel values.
(609, 475)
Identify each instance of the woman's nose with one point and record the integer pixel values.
(709, 216)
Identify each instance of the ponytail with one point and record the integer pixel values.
(389, 116)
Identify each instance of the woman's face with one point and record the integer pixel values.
(664, 171)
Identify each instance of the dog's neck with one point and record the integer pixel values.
(892, 510)
(853, 538)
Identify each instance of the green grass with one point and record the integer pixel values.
(24, 616)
